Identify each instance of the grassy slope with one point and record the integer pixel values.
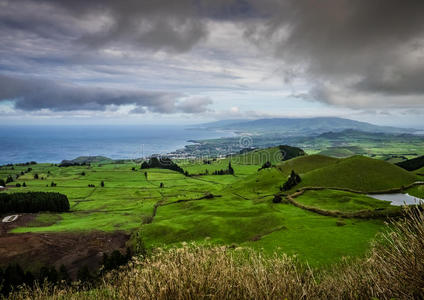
(268, 181)
(359, 173)
(340, 201)
(244, 214)
(337, 152)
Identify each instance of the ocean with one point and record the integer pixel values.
(52, 144)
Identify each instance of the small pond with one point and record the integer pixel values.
(398, 199)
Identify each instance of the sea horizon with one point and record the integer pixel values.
(52, 144)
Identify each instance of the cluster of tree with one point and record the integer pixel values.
(9, 179)
(53, 184)
(82, 173)
(32, 202)
(293, 180)
(162, 163)
(27, 163)
(206, 162)
(2, 182)
(12, 166)
(13, 276)
(289, 152)
(229, 171)
(19, 185)
(412, 164)
(265, 166)
(91, 185)
(68, 163)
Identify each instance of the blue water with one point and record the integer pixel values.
(54, 143)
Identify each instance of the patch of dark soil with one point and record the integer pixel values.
(74, 250)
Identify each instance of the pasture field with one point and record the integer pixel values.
(219, 209)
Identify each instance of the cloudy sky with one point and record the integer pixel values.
(188, 61)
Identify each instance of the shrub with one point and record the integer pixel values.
(293, 180)
(277, 198)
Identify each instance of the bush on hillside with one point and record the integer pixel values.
(266, 165)
(162, 163)
(289, 152)
(293, 180)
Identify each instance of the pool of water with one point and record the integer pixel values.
(398, 199)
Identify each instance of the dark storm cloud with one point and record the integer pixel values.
(361, 46)
(34, 95)
(355, 53)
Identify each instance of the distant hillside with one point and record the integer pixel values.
(274, 155)
(302, 126)
(341, 152)
(359, 173)
(86, 160)
(412, 164)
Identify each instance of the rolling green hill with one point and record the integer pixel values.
(306, 164)
(268, 181)
(359, 173)
(274, 155)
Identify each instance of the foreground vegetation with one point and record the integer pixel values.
(393, 268)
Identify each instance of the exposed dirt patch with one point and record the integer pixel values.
(74, 250)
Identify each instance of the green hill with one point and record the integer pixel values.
(359, 173)
(86, 160)
(304, 164)
(268, 181)
(274, 155)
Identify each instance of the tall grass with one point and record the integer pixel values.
(393, 268)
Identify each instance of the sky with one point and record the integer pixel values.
(191, 61)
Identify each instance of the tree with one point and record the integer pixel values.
(265, 166)
(230, 169)
(36, 176)
(9, 179)
(2, 182)
(24, 184)
(145, 175)
(102, 183)
(161, 185)
(82, 173)
(277, 199)
(293, 180)
(18, 185)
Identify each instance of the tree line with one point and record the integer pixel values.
(32, 202)
(163, 163)
(229, 171)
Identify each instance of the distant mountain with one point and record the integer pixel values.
(302, 126)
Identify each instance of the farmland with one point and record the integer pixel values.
(166, 208)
